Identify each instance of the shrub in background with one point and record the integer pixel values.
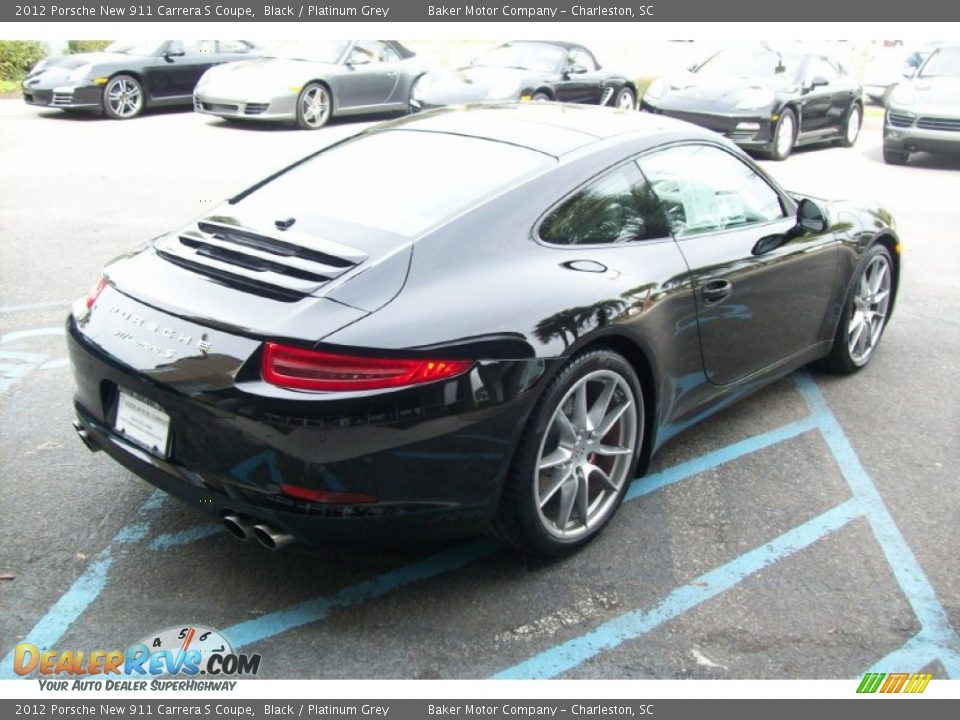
(85, 46)
(642, 84)
(18, 56)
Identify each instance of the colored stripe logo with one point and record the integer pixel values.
(894, 682)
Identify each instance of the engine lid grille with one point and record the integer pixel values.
(293, 265)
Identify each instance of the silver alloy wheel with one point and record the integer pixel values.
(124, 97)
(785, 131)
(586, 454)
(315, 106)
(625, 101)
(868, 312)
(853, 125)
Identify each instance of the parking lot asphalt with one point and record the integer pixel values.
(808, 532)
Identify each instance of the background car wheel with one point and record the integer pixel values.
(895, 157)
(864, 314)
(122, 97)
(784, 135)
(541, 97)
(852, 129)
(576, 458)
(313, 107)
(625, 99)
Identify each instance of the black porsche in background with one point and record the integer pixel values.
(765, 99)
(128, 77)
(532, 71)
(319, 359)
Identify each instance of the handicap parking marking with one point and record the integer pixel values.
(636, 623)
(16, 365)
(937, 639)
(46, 633)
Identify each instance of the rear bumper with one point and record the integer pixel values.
(434, 457)
(749, 129)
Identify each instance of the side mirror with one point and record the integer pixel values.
(358, 60)
(910, 72)
(169, 55)
(819, 81)
(811, 216)
(578, 70)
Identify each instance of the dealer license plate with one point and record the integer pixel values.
(143, 422)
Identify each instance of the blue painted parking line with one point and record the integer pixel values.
(634, 624)
(681, 471)
(267, 626)
(937, 640)
(185, 537)
(935, 625)
(85, 589)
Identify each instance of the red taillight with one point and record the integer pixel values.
(326, 496)
(94, 292)
(303, 369)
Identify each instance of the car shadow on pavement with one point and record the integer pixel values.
(283, 126)
(929, 161)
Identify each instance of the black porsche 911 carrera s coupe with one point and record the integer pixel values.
(527, 71)
(318, 358)
(129, 76)
(766, 99)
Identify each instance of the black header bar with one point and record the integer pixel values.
(635, 11)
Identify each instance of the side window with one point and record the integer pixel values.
(704, 189)
(193, 47)
(620, 207)
(373, 51)
(233, 46)
(819, 67)
(579, 56)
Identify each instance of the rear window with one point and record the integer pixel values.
(401, 181)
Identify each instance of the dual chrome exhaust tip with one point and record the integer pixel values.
(244, 528)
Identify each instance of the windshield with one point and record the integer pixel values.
(754, 63)
(400, 181)
(523, 56)
(325, 51)
(135, 47)
(943, 62)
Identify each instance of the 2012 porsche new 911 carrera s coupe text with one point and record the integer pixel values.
(495, 329)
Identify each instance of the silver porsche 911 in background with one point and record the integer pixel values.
(308, 82)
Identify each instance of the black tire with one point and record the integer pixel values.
(541, 96)
(787, 123)
(846, 140)
(841, 360)
(519, 520)
(895, 157)
(624, 96)
(122, 97)
(306, 121)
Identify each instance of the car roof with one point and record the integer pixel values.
(551, 128)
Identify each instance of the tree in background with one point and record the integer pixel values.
(85, 46)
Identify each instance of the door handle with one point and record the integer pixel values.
(715, 290)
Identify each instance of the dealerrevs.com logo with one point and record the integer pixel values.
(173, 659)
